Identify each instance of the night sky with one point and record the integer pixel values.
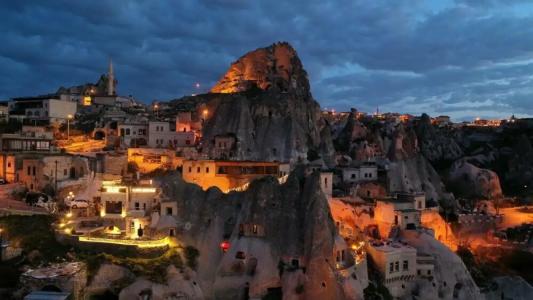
(463, 58)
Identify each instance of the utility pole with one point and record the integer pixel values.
(56, 177)
(68, 126)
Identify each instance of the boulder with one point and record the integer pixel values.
(469, 180)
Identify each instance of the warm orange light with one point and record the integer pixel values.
(205, 112)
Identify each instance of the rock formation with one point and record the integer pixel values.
(436, 145)
(451, 277)
(470, 181)
(275, 68)
(264, 99)
(294, 245)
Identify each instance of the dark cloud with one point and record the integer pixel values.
(446, 57)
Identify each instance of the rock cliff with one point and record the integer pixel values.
(275, 68)
(264, 99)
(470, 181)
(436, 145)
(294, 245)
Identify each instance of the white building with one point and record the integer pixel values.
(397, 263)
(42, 108)
(365, 172)
(402, 212)
(133, 134)
(161, 136)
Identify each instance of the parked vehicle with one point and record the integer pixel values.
(78, 203)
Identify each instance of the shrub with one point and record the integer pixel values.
(191, 257)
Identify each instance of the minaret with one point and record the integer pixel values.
(110, 80)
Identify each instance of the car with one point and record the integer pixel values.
(78, 203)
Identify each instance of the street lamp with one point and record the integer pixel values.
(69, 117)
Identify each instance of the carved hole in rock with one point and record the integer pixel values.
(323, 284)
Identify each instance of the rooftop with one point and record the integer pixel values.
(390, 247)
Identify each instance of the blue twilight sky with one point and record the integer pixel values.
(463, 58)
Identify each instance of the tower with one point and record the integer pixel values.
(110, 80)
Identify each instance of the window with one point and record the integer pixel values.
(33, 170)
(325, 182)
(207, 169)
(128, 131)
(240, 255)
(198, 170)
(65, 172)
(137, 205)
(9, 165)
(429, 272)
(391, 267)
(353, 176)
(190, 169)
(419, 205)
(418, 272)
(29, 171)
(405, 265)
(397, 266)
(169, 211)
(254, 229)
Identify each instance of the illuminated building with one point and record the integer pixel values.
(150, 159)
(133, 134)
(47, 109)
(227, 175)
(403, 212)
(160, 136)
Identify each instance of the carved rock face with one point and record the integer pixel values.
(275, 68)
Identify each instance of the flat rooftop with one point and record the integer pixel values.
(390, 247)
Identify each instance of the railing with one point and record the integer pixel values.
(245, 186)
(128, 242)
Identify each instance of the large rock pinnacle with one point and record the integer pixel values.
(275, 68)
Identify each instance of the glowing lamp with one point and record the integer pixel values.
(69, 214)
(224, 246)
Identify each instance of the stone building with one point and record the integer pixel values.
(38, 171)
(161, 136)
(227, 175)
(364, 172)
(397, 264)
(150, 159)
